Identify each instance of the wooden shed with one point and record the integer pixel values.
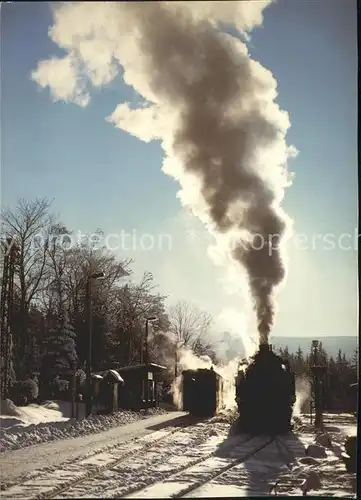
(106, 388)
(141, 385)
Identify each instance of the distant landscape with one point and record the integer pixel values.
(233, 345)
(347, 344)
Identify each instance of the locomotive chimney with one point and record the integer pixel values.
(264, 347)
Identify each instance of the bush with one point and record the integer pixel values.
(61, 389)
(8, 407)
(22, 400)
(80, 377)
(24, 392)
(62, 385)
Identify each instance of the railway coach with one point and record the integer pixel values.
(202, 392)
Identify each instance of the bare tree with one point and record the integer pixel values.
(72, 265)
(191, 326)
(53, 294)
(76, 264)
(29, 226)
(131, 306)
(50, 281)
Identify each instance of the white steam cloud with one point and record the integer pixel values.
(303, 394)
(234, 323)
(211, 106)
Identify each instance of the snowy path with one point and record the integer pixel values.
(195, 461)
(19, 463)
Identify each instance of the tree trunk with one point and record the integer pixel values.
(73, 394)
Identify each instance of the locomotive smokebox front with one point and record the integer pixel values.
(265, 393)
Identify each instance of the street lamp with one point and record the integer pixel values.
(94, 276)
(147, 321)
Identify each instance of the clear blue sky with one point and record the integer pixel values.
(103, 177)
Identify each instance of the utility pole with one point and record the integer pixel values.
(141, 353)
(89, 398)
(73, 391)
(146, 342)
(146, 395)
(88, 402)
(176, 362)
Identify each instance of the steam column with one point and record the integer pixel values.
(178, 346)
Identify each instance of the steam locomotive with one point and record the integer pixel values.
(265, 393)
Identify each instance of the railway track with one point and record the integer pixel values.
(94, 464)
(206, 472)
(152, 489)
(211, 470)
(192, 489)
(163, 459)
(98, 485)
(133, 455)
(155, 463)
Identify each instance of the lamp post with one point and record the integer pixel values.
(73, 391)
(147, 321)
(94, 276)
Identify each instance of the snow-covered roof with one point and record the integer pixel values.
(116, 375)
(152, 367)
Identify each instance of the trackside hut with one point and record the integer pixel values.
(141, 385)
(115, 382)
(106, 389)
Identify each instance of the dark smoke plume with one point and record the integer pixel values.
(212, 107)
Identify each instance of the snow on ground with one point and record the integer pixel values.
(36, 424)
(35, 461)
(335, 481)
(24, 416)
(53, 480)
(164, 448)
(201, 460)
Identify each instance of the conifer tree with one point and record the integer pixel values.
(299, 362)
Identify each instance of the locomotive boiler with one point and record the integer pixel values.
(202, 392)
(265, 393)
